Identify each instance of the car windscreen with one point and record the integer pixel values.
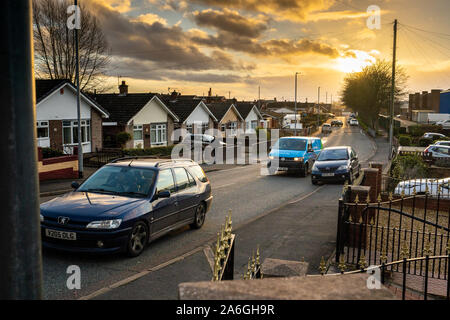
(128, 181)
(290, 144)
(333, 155)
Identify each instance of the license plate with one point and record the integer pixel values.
(282, 169)
(60, 234)
(328, 174)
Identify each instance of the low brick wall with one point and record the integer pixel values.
(419, 202)
(65, 167)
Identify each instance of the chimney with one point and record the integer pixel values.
(123, 89)
(174, 95)
(210, 92)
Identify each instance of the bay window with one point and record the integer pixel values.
(70, 131)
(158, 134)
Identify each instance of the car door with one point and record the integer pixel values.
(186, 194)
(440, 152)
(354, 161)
(164, 209)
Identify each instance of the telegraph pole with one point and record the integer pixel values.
(295, 105)
(77, 79)
(20, 234)
(391, 120)
(318, 107)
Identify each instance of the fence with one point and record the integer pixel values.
(375, 230)
(101, 157)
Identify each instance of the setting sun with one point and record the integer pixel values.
(356, 63)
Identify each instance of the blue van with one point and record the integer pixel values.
(294, 154)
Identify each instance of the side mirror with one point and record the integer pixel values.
(75, 185)
(163, 194)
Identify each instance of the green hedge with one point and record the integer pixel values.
(51, 153)
(408, 167)
(404, 140)
(156, 151)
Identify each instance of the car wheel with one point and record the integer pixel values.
(138, 239)
(305, 170)
(200, 213)
(350, 178)
(314, 182)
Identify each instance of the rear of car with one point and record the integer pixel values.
(326, 128)
(437, 151)
(294, 154)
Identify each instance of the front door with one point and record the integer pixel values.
(164, 209)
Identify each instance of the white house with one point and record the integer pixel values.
(252, 117)
(56, 117)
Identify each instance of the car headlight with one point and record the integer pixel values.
(105, 224)
(314, 168)
(343, 168)
(41, 217)
(298, 159)
(271, 157)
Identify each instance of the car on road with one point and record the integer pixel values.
(437, 151)
(337, 123)
(336, 164)
(202, 140)
(353, 122)
(442, 143)
(326, 128)
(126, 204)
(294, 154)
(433, 135)
(444, 123)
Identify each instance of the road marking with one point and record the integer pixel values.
(223, 186)
(307, 195)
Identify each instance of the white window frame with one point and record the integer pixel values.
(42, 124)
(85, 123)
(160, 133)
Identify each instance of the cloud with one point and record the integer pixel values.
(231, 21)
(166, 46)
(296, 10)
(150, 18)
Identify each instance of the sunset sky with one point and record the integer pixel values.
(238, 45)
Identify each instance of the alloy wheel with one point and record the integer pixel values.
(138, 239)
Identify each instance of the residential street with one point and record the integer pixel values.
(262, 194)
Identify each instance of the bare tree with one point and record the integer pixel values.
(54, 45)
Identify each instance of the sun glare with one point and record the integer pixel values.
(355, 64)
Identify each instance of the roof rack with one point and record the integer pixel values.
(152, 157)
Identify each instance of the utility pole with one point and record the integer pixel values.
(295, 105)
(391, 120)
(20, 234)
(77, 79)
(259, 97)
(318, 107)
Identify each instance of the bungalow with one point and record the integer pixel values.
(191, 112)
(143, 115)
(228, 117)
(252, 117)
(56, 117)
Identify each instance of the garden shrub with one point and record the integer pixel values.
(408, 167)
(155, 151)
(51, 153)
(425, 142)
(404, 140)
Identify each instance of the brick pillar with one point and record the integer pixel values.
(379, 166)
(357, 233)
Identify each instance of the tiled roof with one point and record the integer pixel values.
(182, 106)
(123, 107)
(219, 109)
(244, 108)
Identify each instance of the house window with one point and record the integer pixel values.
(254, 124)
(222, 127)
(42, 129)
(70, 131)
(202, 127)
(158, 134)
(137, 132)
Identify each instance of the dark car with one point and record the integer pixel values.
(336, 164)
(336, 123)
(125, 205)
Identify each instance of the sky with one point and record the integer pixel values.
(236, 46)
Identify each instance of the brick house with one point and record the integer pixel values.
(56, 117)
(143, 115)
(228, 117)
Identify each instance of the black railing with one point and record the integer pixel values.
(99, 158)
(382, 229)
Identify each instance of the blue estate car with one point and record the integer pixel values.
(125, 205)
(294, 154)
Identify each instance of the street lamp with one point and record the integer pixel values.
(295, 105)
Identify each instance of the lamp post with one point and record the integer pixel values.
(295, 105)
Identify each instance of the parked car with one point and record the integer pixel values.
(336, 164)
(437, 151)
(444, 123)
(420, 186)
(326, 128)
(353, 122)
(125, 205)
(294, 154)
(202, 140)
(336, 123)
(433, 135)
(442, 143)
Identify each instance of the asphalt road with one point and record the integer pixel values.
(244, 190)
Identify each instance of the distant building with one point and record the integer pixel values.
(424, 101)
(444, 104)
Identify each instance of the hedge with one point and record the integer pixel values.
(156, 151)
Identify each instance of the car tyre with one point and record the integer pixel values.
(305, 170)
(138, 239)
(200, 214)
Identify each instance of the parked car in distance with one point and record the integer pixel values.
(326, 128)
(433, 135)
(202, 140)
(444, 123)
(337, 123)
(126, 204)
(353, 122)
(294, 154)
(336, 164)
(437, 151)
(434, 187)
(442, 143)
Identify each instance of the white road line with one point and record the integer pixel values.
(306, 195)
(223, 186)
